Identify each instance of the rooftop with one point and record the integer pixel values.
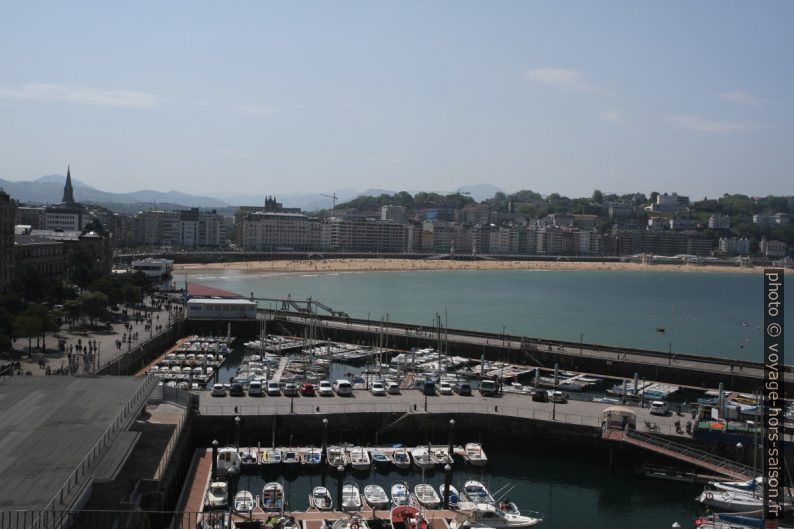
(197, 290)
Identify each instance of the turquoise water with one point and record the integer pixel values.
(715, 314)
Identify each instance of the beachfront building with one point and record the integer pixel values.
(7, 219)
(363, 235)
(631, 241)
(734, 246)
(186, 228)
(772, 249)
(273, 231)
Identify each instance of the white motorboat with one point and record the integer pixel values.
(359, 458)
(400, 495)
(476, 492)
(422, 458)
(249, 457)
(320, 499)
(490, 515)
(379, 457)
(273, 496)
(376, 497)
(314, 456)
(441, 456)
(475, 454)
(290, 456)
(401, 459)
(454, 496)
(271, 456)
(228, 460)
(427, 496)
(353, 522)
(351, 498)
(217, 495)
(244, 501)
(734, 501)
(335, 455)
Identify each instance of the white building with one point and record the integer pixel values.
(271, 231)
(153, 267)
(773, 248)
(719, 222)
(766, 219)
(734, 246)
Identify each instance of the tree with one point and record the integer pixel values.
(94, 305)
(73, 310)
(598, 196)
(27, 326)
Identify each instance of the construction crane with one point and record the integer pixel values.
(333, 197)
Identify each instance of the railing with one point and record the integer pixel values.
(84, 467)
(104, 519)
(694, 453)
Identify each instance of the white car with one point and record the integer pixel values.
(255, 388)
(218, 390)
(393, 388)
(325, 389)
(377, 388)
(273, 389)
(445, 388)
(658, 407)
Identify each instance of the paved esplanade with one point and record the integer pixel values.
(585, 352)
(48, 425)
(413, 401)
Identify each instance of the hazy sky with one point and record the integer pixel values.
(273, 97)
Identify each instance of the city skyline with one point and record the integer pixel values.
(278, 99)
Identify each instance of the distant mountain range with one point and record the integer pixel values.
(48, 189)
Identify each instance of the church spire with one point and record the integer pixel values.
(68, 192)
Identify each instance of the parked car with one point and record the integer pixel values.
(273, 389)
(255, 389)
(290, 389)
(393, 388)
(429, 387)
(325, 389)
(236, 390)
(559, 397)
(218, 390)
(540, 395)
(658, 407)
(445, 388)
(462, 388)
(343, 387)
(377, 388)
(488, 388)
(307, 390)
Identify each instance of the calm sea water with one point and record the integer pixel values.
(715, 314)
(569, 493)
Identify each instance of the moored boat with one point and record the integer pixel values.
(228, 460)
(244, 501)
(489, 515)
(335, 455)
(408, 517)
(476, 492)
(359, 458)
(217, 496)
(475, 454)
(353, 522)
(400, 495)
(290, 456)
(401, 459)
(271, 456)
(320, 499)
(351, 498)
(427, 496)
(273, 496)
(376, 497)
(379, 457)
(735, 501)
(454, 496)
(422, 458)
(314, 456)
(441, 456)
(249, 457)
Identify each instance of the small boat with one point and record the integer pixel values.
(273, 496)
(353, 522)
(400, 495)
(244, 501)
(313, 457)
(351, 498)
(376, 497)
(290, 456)
(320, 499)
(335, 455)
(271, 456)
(476, 492)
(249, 457)
(750, 485)
(359, 458)
(660, 329)
(408, 517)
(401, 459)
(734, 501)
(228, 460)
(489, 515)
(475, 454)
(426, 495)
(217, 495)
(441, 456)
(728, 521)
(454, 496)
(422, 459)
(379, 457)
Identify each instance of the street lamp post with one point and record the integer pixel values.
(292, 402)
(325, 434)
(214, 459)
(451, 435)
(237, 432)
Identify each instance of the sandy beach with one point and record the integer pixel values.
(382, 265)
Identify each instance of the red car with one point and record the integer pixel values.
(307, 390)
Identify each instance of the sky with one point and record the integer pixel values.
(276, 97)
